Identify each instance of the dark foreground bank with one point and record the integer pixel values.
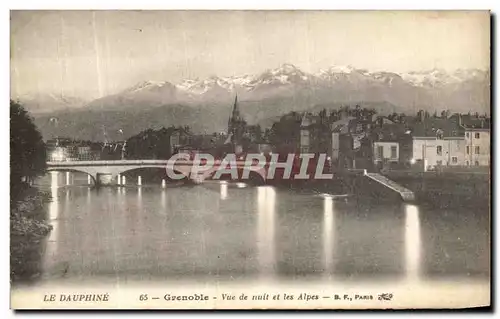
(28, 228)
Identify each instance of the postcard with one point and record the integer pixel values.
(219, 159)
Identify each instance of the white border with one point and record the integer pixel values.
(185, 4)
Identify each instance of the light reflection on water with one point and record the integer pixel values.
(328, 234)
(53, 216)
(412, 242)
(265, 230)
(232, 232)
(223, 190)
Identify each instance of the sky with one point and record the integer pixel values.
(90, 54)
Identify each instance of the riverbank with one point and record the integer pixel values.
(436, 189)
(28, 228)
(446, 189)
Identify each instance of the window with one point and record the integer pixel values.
(467, 163)
(476, 150)
(454, 160)
(467, 150)
(439, 163)
(476, 135)
(439, 134)
(439, 150)
(476, 163)
(380, 152)
(394, 152)
(467, 135)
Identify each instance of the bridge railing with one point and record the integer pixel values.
(135, 162)
(105, 162)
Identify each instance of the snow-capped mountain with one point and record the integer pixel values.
(205, 104)
(461, 90)
(439, 77)
(287, 74)
(290, 75)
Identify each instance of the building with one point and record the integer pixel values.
(178, 137)
(438, 142)
(477, 146)
(61, 149)
(390, 142)
(350, 142)
(305, 133)
(477, 139)
(385, 151)
(86, 153)
(315, 134)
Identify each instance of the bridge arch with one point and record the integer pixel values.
(112, 169)
(161, 169)
(73, 170)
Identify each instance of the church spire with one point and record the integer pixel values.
(236, 111)
(236, 124)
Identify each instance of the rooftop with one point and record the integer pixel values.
(432, 127)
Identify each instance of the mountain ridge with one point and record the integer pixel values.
(205, 104)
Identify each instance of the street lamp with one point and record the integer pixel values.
(123, 145)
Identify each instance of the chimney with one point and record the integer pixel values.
(422, 116)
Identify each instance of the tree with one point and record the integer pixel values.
(286, 131)
(27, 149)
(151, 144)
(393, 117)
(402, 118)
(255, 133)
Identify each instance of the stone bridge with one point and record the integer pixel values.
(109, 172)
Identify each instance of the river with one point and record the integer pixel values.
(236, 232)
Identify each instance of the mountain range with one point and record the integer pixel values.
(205, 104)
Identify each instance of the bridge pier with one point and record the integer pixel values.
(163, 183)
(139, 180)
(104, 179)
(118, 179)
(68, 178)
(124, 180)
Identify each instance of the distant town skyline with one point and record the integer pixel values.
(91, 54)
